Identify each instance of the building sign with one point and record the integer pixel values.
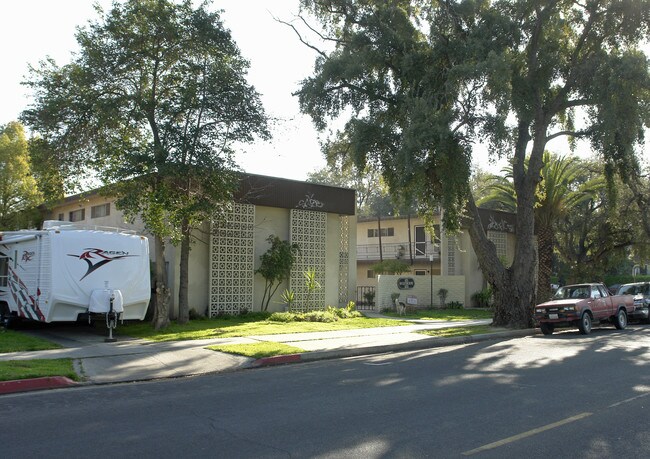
(405, 283)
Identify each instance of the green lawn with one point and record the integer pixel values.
(36, 368)
(13, 341)
(258, 350)
(246, 325)
(444, 314)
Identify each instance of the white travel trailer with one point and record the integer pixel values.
(66, 271)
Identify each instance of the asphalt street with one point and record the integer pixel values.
(565, 395)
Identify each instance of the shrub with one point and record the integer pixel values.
(344, 313)
(391, 267)
(319, 316)
(283, 317)
(442, 294)
(482, 299)
(454, 305)
(369, 296)
(195, 315)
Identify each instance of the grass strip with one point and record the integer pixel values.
(444, 314)
(37, 368)
(236, 326)
(460, 331)
(13, 341)
(258, 350)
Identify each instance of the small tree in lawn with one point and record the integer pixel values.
(276, 266)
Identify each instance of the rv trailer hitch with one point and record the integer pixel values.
(111, 321)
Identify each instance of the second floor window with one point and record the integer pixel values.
(374, 232)
(102, 210)
(78, 215)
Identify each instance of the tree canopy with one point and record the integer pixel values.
(18, 187)
(424, 82)
(153, 102)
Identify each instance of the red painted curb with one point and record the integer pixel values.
(277, 360)
(24, 385)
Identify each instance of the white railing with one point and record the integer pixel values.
(398, 250)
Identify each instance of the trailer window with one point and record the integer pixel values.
(4, 271)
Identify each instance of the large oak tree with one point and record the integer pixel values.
(152, 103)
(424, 82)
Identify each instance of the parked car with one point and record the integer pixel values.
(641, 293)
(581, 305)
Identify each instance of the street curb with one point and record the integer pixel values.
(25, 385)
(277, 360)
(432, 342)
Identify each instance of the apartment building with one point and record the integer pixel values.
(431, 255)
(225, 254)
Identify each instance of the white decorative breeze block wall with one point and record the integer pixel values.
(387, 284)
(309, 231)
(344, 259)
(232, 262)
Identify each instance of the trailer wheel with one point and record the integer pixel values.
(585, 323)
(8, 322)
(547, 328)
(620, 321)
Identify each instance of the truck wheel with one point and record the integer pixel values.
(585, 324)
(547, 328)
(620, 321)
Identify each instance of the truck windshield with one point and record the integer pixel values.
(573, 291)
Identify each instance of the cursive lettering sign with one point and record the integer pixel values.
(309, 202)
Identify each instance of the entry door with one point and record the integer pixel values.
(598, 303)
(420, 241)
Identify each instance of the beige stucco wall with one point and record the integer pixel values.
(422, 290)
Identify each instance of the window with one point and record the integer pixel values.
(78, 215)
(60, 218)
(385, 232)
(371, 274)
(4, 271)
(451, 255)
(102, 210)
(420, 241)
(420, 272)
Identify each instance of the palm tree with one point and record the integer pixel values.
(564, 185)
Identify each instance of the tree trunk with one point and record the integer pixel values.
(513, 287)
(161, 310)
(545, 253)
(183, 294)
(641, 200)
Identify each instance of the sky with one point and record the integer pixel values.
(31, 30)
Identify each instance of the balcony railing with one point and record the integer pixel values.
(398, 250)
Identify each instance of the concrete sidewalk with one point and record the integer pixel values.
(129, 359)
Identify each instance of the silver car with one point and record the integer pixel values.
(641, 292)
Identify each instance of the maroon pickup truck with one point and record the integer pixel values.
(581, 305)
